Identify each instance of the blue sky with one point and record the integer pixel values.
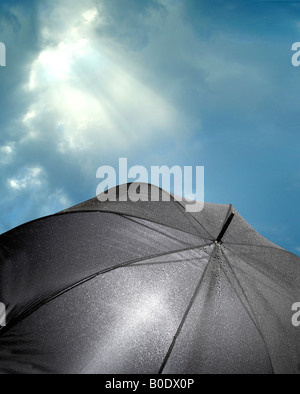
(162, 82)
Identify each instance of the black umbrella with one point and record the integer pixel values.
(145, 287)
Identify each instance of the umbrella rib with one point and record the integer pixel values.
(40, 304)
(165, 262)
(267, 304)
(247, 263)
(159, 255)
(252, 279)
(131, 219)
(253, 318)
(258, 246)
(126, 215)
(185, 316)
(189, 216)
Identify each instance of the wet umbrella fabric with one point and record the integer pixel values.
(145, 287)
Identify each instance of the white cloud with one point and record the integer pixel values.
(29, 115)
(90, 15)
(30, 178)
(6, 150)
(6, 154)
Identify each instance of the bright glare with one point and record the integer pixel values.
(83, 83)
(90, 15)
(29, 115)
(148, 309)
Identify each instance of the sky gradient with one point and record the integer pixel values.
(161, 82)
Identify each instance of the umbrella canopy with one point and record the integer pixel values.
(146, 288)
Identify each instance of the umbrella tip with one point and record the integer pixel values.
(225, 228)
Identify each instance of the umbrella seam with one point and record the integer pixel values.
(155, 230)
(253, 318)
(189, 216)
(247, 263)
(165, 262)
(259, 246)
(186, 314)
(266, 302)
(253, 279)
